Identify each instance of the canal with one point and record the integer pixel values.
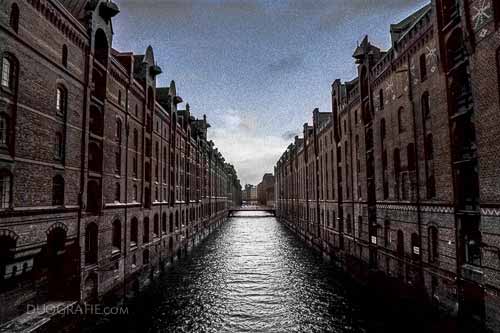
(254, 275)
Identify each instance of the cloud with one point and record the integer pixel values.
(252, 153)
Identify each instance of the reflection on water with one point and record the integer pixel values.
(252, 275)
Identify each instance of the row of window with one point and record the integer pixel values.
(6, 190)
(91, 234)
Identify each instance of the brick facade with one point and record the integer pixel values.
(103, 180)
(401, 177)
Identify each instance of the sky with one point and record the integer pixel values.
(256, 68)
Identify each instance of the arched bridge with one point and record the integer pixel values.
(270, 210)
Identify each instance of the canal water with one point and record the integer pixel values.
(254, 275)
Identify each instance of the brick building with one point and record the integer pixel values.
(265, 190)
(401, 178)
(103, 180)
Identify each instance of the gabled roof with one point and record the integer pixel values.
(400, 28)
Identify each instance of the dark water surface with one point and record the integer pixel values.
(254, 275)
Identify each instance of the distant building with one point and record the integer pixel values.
(265, 190)
(250, 193)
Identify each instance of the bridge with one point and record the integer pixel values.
(270, 210)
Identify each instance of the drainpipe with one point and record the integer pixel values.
(417, 169)
(83, 150)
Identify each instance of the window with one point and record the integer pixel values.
(381, 99)
(423, 68)
(415, 246)
(136, 140)
(14, 17)
(171, 223)
(425, 104)
(429, 148)
(117, 236)
(64, 57)
(400, 120)
(134, 166)
(145, 230)
(58, 191)
(5, 188)
(433, 244)
(156, 225)
(4, 130)
(164, 223)
(118, 131)
(117, 192)
(145, 257)
(61, 100)
(410, 153)
(7, 73)
(134, 227)
(59, 146)
(91, 244)
(382, 129)
(135, 193)
(387, 233)
(118, 162)
(119, 97)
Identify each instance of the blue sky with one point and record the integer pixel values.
(256, 68)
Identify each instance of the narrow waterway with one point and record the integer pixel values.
(253, 275)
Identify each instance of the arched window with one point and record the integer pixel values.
(401, 243)
(410, 154)
(4, 130)
(433, 244)
(7, 248)
(5, 188)
(58, 191)
(387, 233)
(164, 223)
(136, 140)
(61, 100)
(145, 230)
(171, 223)
(101, 47)
(118, 162)
(95, 157)
(59, 146)
(423, 67)
(381, 99)
(91, 244)
(64, 57)
(429, 148)
(145, 257)
(96, 121)
(6, 72)
(401, 126)
(425, 104)
(156, 225)
(415, 246)
(176, 220)
(117, 236)
(134, 232)
(14, 17)
(382, 129)
(118, 131)
(147, 172)
(117, 192)
(93, 196)
(136, 197)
